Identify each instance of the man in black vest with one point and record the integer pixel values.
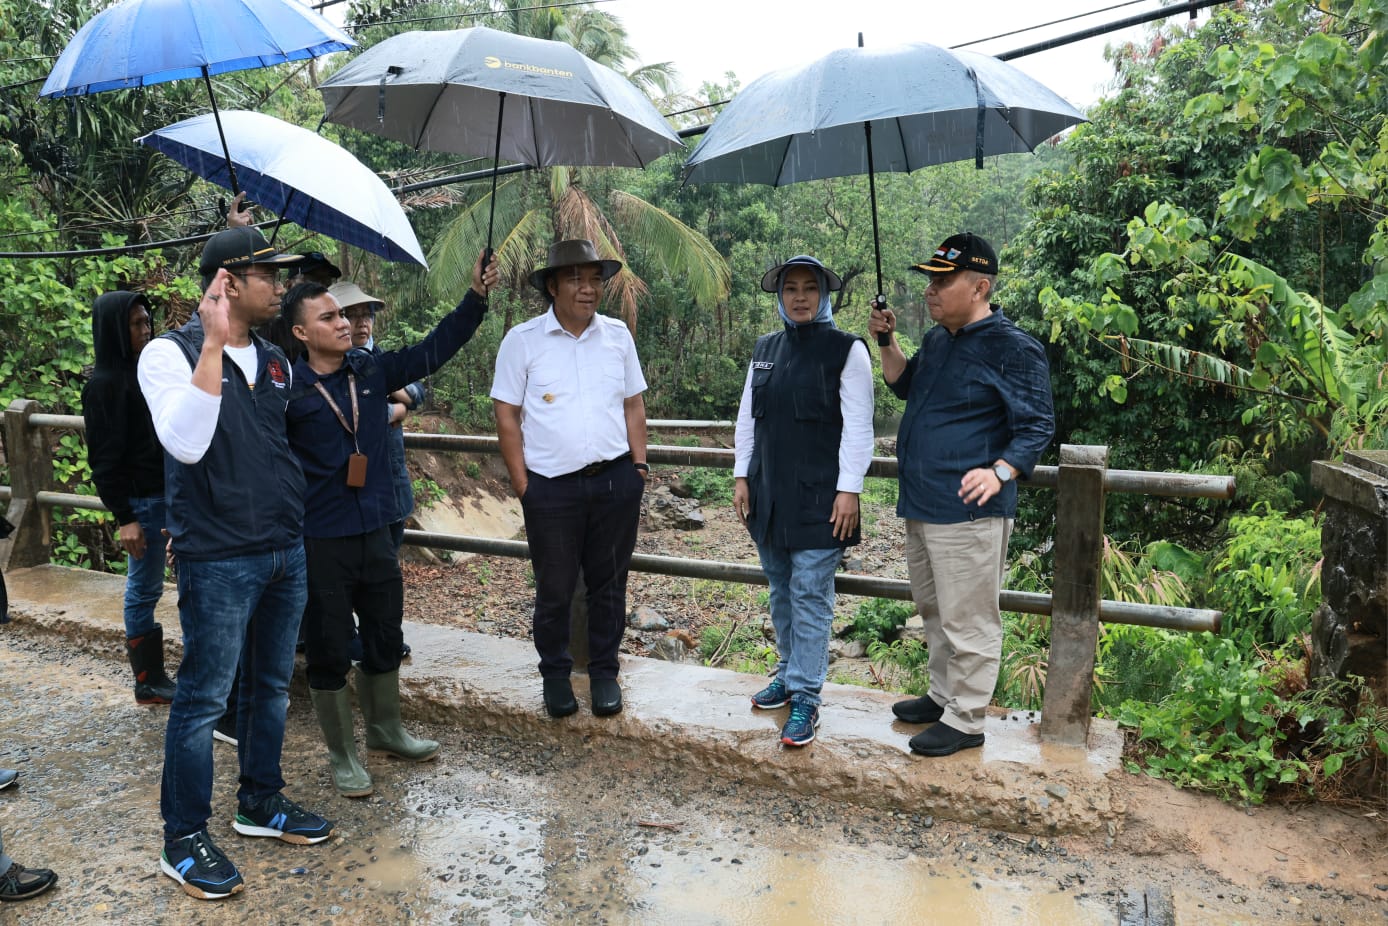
(804, 442)
(217, 393)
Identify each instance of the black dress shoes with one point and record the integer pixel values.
(944, 740)
(607, 696)
(918, 710)
(559, 697)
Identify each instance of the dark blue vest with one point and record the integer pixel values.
(246, 494)
(793, 476)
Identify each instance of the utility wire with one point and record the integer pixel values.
(1054, 22)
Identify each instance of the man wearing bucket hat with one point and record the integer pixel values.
(978, 416)
(217, 394)
(804, 442)
(571, 422)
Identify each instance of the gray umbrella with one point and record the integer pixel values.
(553, 105)
(863, 110)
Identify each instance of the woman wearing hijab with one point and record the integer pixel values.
(804, 442)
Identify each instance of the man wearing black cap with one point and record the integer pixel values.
(978, 416)
(316, 268)
(571, 423)
(217, 393)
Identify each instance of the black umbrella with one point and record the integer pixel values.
(554, 106)
(921, 105)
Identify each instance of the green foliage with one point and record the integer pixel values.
(738, 641)
(68, 549)
(901, 664)
(1230, 727)
(880, 492)
(709, 486)
(427, 492)
(1267, 579)
(473, 470)
(878, 620)
(1219, 731)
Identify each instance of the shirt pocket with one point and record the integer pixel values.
(542, 385)
(761, 383)
(612, 378)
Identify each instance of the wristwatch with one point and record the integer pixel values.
(1003, 472)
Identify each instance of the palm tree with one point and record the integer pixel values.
(536, 208)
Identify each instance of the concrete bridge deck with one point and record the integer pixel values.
(691, 715)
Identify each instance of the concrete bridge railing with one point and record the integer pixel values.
(1081, 482)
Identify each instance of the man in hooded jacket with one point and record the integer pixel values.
(127, 464)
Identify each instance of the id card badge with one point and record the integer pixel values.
(356, 470)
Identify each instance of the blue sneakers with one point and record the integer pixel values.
(772, 696)
(799, 728)
(199, 866)
(279, 817)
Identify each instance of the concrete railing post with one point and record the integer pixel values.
(31, 472)
(1079, 547)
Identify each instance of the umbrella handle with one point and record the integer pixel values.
(884, 338)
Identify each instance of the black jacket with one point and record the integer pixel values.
(122, 449)
(792, 479)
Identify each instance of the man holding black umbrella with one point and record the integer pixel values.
(978, 415)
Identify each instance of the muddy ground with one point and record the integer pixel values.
(1294, 851)
(501, 830)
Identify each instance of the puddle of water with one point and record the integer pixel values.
(803, 888)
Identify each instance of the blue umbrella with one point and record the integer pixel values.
(140, 42)
(920, 104)
(297, 174)
(554, 106)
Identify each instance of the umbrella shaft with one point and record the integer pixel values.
(217, 117)
(496, 158)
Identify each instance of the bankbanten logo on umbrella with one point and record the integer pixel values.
(492, 61)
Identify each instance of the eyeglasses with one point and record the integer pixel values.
(275, 277)
(355, 316)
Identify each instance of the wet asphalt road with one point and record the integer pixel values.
(497, 831)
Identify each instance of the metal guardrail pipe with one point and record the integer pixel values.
(677, 423)
(1181, 485)
(73, 422)
(1191, 620)
(67, 500)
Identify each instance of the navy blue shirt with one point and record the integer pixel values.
(331, 507)
(973, 397)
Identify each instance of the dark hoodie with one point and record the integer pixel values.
(126, 458)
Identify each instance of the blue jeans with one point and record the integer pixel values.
(802, 611)
(246, 608)
(144, 577)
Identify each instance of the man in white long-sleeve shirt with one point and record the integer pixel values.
(804, 443)
(217, 394)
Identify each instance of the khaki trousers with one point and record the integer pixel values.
(956, 572)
